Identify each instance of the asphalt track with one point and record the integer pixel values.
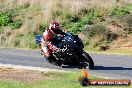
(111, 66)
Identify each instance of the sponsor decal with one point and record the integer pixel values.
(85, 81)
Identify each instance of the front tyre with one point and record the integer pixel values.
(88, 59)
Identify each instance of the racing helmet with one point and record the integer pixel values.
(54, 27)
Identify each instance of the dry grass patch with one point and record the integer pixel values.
(26, 76)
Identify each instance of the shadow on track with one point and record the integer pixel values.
(110, 68)
(66, 66)
(100, 68)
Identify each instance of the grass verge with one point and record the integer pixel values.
(112, 51)
(54, 80)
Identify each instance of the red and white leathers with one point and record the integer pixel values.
(48, 36)
(49, 41)
(46, 46)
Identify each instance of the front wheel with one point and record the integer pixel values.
(88, 60)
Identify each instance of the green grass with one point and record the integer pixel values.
(55, 80)
(28, 20)
(129, 6)
(5, 84)
(112, 51)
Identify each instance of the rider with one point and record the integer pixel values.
(49, 38)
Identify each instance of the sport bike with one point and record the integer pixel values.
(72, 52)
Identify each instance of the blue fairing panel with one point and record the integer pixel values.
(38, 39)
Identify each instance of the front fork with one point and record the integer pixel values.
(82, 61)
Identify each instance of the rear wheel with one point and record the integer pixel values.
(88, 60)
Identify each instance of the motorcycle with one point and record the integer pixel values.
(72, 52)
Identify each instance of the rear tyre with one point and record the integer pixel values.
(89, 60)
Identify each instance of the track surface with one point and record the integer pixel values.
(112, 66)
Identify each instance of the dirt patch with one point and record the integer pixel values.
(122, 43)
(27, 76)
(115, 26)
(82, 36)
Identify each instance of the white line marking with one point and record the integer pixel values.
(103, 77)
